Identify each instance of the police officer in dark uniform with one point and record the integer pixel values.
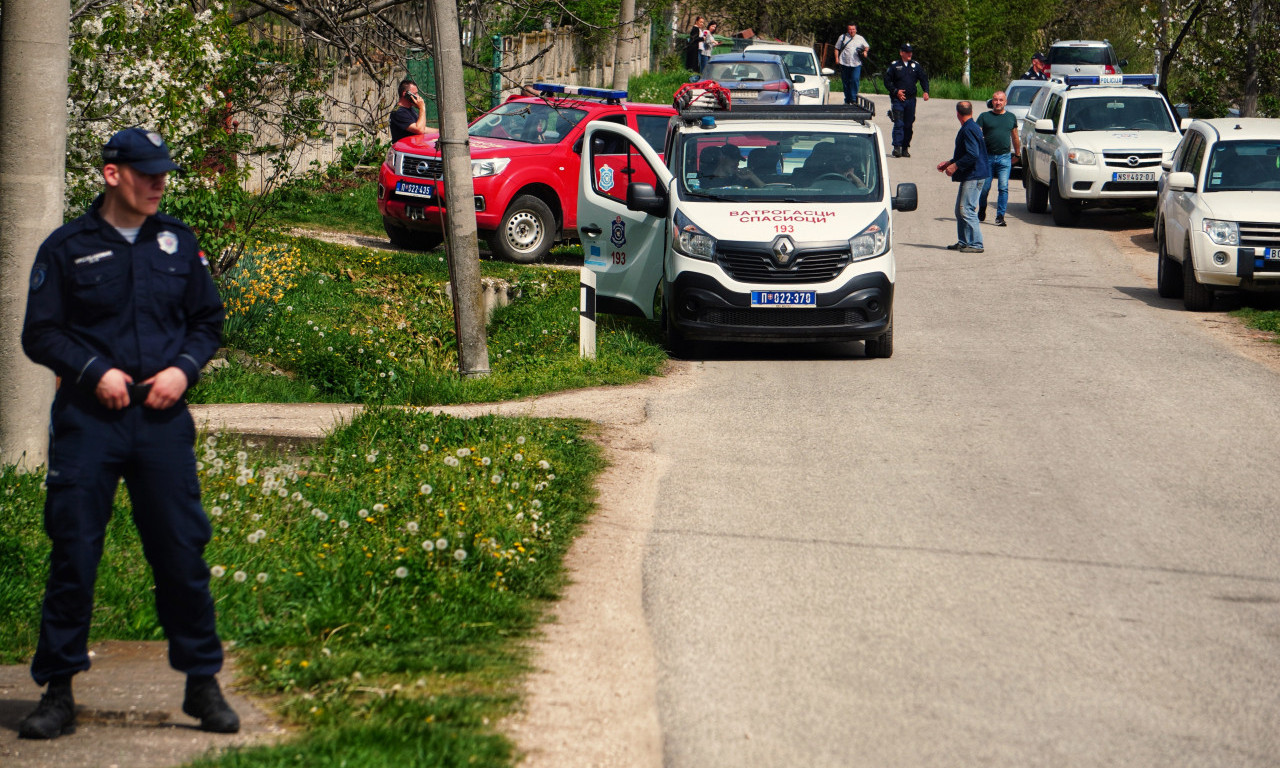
(1039, 68)
(900, 80)
(122, 307)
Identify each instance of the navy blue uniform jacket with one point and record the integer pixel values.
(97, 302)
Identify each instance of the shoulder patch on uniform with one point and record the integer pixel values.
(38, 275)
(168, 242)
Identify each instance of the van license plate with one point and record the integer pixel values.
(784, 298)
(1133, 176)
(415, 190)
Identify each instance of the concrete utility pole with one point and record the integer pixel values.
(460, 202)
(622, 53)
(33, 150)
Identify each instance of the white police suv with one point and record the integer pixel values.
(1096, 140)
(763, 224)
(1218, 216)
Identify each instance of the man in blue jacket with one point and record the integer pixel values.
(122, 308)
(971, 167)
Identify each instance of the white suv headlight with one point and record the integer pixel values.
(491, 167)
(1222, 232)
(1081, 157)
(872, 241)
(690, 240)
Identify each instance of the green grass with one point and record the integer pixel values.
(1261, 317)
(342, 202)
(367, 326)
(376, 666)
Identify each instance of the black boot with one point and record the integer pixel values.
(203, 701)
(905, 153)
(55, 715)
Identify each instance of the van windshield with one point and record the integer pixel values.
(522, 121)
(779, 166)
(1117, 113)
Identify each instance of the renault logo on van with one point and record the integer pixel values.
(784, 249)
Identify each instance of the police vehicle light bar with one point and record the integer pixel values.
(576, 90)
(1109, 79)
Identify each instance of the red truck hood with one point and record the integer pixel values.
(428, 144)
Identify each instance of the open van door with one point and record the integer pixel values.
(625, 248)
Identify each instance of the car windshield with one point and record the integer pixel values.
(798, 62)
(1021, 95)
(744, 71)
(1244, 165)
(1085, 54)
(779, 166)
(1117, 113)
(532, 123)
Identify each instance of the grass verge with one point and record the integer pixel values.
(380, 588)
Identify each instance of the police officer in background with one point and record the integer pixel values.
(900, 79)
(122, 307)
(1039, 68)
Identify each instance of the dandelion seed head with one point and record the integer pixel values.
(379, 507)
(424, 489)
(442, 543)
(429, 545)
(262, 578)
(240, 576)
(217, 571)
(401, 572)
(411, 527)
(460, 554)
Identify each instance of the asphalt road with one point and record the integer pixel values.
(1044, 533)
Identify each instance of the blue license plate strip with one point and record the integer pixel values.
(415, 190)
(1271, 253)
(801, 299)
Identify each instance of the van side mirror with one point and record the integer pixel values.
(1044, 125)
(905, 198)
(645, 199)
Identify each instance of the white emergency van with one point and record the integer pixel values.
(764, 224)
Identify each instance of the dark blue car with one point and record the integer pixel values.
(752, 78)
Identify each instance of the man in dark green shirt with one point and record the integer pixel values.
(1000, 129)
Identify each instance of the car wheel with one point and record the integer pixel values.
(1168, 271)
(526, 232)
(1037, 195)
(676, 343)
(1065, 212)
(1196, 296)
(411, 239)
(882, 345)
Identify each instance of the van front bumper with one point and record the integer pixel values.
(703, 309)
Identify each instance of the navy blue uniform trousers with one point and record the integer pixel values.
(91, 449)
(906, 110)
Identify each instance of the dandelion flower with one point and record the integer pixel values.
(379, 507)
(216, 511)
(211, 441)
(464, 452)
(240, 576)
(363, 513)
(450, 460)
(217, 571)
(371, 457)
(401, 572)
(296, 496)
(411, 527)
(429, 545)
(262, 578)
(520, 440)
(515, 485)
(322, 516)
(460, 555)
(424, 489)
(496, 479)
(241, 481)
(343, 524)
(544, 464)
(518, 457)
(536, 504)
(241, 456)
(423, 447)
(442, 543)
(485, 461)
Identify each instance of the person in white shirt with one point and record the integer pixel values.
(851, 49)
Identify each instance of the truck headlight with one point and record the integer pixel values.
(393, 159)
(872, 241)
(1081, 157)
(1222, 232)
(811, 93)
(689, 239)
(491, 167)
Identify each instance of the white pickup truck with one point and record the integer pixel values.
(1096, 140)
(762, 224)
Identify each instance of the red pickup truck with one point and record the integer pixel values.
(525, 157)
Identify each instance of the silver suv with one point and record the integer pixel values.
(1084, 57)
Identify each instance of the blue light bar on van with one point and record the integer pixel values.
(576, 90)
(1109, 79)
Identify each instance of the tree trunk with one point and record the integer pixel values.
(460, 223)
(33, 148)
(1249, 97)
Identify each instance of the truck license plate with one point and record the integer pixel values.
(1271, 253)
(784, 298)
(415, 190)
(1133, 176)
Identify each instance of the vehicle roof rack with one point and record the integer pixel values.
(551, 90)
(863, 112)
